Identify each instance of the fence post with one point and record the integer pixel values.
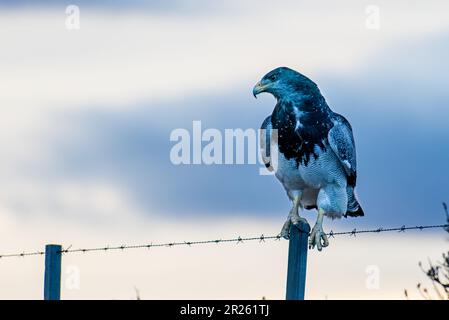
(52, 281)
(297, 261)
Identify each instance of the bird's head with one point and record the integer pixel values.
(284, 82)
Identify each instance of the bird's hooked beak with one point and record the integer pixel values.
(259, 88)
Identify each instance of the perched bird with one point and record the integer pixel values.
(311, 150)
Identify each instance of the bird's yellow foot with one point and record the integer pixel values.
(318, 238)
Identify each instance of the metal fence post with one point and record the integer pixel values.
(52, 281)
(297, 261)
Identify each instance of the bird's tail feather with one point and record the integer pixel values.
(354, 208)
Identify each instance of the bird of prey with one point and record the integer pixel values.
(316, 158)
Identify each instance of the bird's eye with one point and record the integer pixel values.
(272, 77)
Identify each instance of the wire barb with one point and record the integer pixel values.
(65, 250)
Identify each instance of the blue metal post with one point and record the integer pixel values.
(297, 261)
(52, 281)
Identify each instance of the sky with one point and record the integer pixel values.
(86, 115)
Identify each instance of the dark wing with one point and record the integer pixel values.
(265, 138)
(341, 140)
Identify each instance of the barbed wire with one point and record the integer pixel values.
(237, 240)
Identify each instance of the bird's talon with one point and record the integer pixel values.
(297, 219)
(318, 238)
(285, 232)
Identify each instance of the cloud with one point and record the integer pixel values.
(131, 152)
(119, 58)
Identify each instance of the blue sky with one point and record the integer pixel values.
(87, 114)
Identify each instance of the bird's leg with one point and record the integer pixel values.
(293, 218)
(317, 237)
